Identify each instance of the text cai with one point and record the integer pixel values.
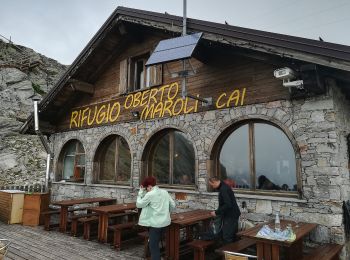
(153, 103)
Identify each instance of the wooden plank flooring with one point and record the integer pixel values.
(33, 243)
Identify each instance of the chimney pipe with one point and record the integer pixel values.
(43, 141)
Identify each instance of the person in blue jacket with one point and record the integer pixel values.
(156, 205)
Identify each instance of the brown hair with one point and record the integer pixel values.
(149, 181)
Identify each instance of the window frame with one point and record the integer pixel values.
(130, 64)
(62, 158)
(100, 154)
(251, 129)
(149, 153)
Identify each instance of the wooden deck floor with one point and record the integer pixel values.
(35, 243)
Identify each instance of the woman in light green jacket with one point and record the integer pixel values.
(156, 204)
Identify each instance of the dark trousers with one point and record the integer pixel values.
(155, 235)
(229, 229)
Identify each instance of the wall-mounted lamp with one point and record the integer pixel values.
(135, 114)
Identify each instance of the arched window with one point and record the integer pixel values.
(112, 164)
(171, 159)
(258, 156)
(71, 162)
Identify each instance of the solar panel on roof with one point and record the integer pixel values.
(174, 49)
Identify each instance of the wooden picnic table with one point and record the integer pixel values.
(65, 204)
(178, 221)
(269, 249)
(103, 216)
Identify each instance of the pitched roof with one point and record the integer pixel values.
(329, 55)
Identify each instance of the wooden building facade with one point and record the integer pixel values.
(111, 120)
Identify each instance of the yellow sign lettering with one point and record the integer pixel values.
(147, 110)
(101, 115)
(116, 108)
(219, 99)
(73, 119)
(127, 100)
(164, 101)
(93, 119)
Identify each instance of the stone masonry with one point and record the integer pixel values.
(317, 128)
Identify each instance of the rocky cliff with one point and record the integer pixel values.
(23, 73)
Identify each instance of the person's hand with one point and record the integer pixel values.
(213, 213)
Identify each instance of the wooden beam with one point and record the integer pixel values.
(82, 86)
(119, 48)
(122, 29)
(73, 99)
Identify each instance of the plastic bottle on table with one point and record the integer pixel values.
(277, 223)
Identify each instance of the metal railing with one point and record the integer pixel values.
(36, 187)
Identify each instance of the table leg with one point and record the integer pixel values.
(260, 250)
(176, 243)
(102, 228)
(266, 251)
(167, 242)
(63, 218)
(275, 254)
(295, 251)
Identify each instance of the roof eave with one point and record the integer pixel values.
(174, 24)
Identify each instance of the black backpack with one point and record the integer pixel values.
(215, 228)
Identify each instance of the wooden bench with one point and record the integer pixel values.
(47, 218)
(199, 247)
(92, 218)
(131, 215)
(74, 222)
(117, 229)
(324, 252)
(87, 222)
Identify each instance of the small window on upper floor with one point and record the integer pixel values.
(135, 76)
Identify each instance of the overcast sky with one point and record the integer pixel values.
(60, 29)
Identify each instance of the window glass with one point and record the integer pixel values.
(266, 161)
(160, 160)
(234, 158)
(68, 167)
(183, 158)
(139, 74)
(112, 164)
(274, 159)
(134, 76)
(71, 165)
(172, 159)
(124, 161)
(107, 162)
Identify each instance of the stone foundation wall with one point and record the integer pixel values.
(314, 125)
